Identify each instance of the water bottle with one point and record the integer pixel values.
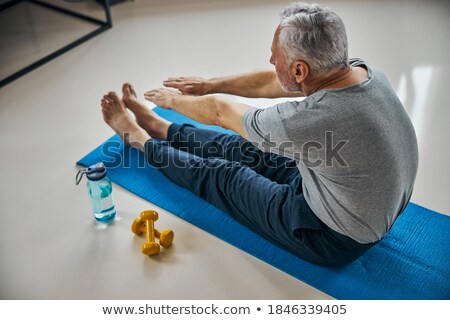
(100, 192)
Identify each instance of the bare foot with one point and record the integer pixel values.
(118, 118)
(155, 125)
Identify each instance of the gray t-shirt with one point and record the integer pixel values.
(356, 150)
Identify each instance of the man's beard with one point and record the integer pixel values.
(287, 85)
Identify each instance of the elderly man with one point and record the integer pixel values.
(324, 177)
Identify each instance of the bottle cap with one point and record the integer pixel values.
(94, 173)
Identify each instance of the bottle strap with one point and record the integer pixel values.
(80, 175)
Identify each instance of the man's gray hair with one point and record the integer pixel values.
(314, 34)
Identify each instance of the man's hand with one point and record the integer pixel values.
(162, 97)
(195, 86)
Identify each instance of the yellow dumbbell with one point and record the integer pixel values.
(146, 223)
(165, 237)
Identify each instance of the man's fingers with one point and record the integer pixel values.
(161, 92)
(181, 81)
(176, 85)
(173, 81)
(154, 91)
(178, 78)
(149, 93)
(171, 84)
(150, 98)
(175, 78)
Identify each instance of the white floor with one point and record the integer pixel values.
(51, 248)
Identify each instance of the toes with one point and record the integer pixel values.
(125, 88)
(128, 89)
(108, 99)
(118, 102)
(114, 96)
(132, 90)
(105, 113)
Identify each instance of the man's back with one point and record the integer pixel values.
(355, 148)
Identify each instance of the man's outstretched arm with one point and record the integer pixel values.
(259, 84)
(205, 109)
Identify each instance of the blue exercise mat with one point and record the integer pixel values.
(411, 262)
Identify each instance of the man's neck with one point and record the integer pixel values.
(335, 79)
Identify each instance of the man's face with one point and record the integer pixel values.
(282, 69)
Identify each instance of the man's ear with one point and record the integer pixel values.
(301, 70)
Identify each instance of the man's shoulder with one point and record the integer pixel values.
(288, 108)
